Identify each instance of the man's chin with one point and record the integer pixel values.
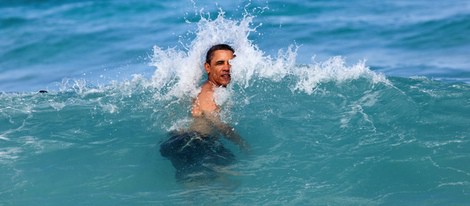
(224, 84)
(221, 82)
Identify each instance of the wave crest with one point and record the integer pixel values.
(178, 73)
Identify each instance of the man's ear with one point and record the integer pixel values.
(207, 67)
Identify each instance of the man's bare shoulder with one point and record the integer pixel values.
(204, 101)
(207, 94)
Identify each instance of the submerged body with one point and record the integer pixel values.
(195, 156)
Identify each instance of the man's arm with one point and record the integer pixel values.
(228, 131)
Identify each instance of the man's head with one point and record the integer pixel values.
(217, 64)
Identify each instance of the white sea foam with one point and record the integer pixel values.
(179, 73)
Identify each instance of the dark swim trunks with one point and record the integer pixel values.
(193, 154)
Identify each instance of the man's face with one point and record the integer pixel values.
(219, 68)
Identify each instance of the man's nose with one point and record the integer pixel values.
(227, 66)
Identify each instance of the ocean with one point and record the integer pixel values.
(343, 102)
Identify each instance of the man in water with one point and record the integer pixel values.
(205, 111)
(199, 150)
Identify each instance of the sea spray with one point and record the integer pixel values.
(179, 73)
(333, 70)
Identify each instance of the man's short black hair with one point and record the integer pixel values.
(210, 52)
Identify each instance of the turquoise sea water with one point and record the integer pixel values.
(343, 102)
